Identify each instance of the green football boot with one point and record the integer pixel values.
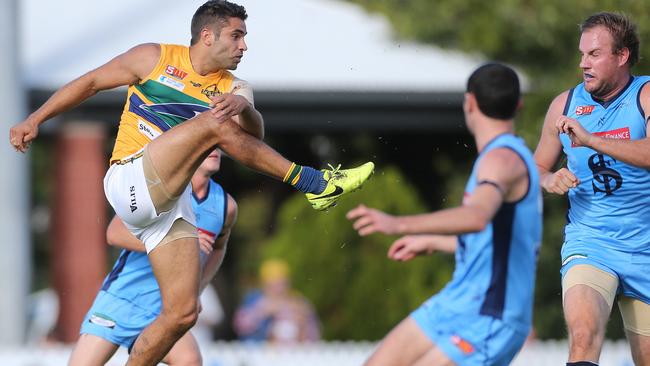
(340, 182)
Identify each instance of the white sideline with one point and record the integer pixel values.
(536, 353)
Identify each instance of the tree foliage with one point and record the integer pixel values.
(359, 294)
(539, 36)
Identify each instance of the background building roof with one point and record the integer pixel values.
(294, 45)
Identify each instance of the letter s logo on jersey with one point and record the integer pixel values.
(584, 110)
(177, 73)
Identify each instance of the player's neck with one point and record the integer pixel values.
(200, 185)
(489, 129)
(201, 62)
(620, 84)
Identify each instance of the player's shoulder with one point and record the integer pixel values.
(557, 106)
(146, 49)
(232, 209)
(502, 161)
(645, 87)
(502, 156)
(561, 99)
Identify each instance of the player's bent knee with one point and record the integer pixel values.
(182, 317)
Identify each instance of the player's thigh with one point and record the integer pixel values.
(185, 352)
(434, 357)
(92, 350)
(404, 345)
(177, 269)
(636, 318)
(588, 294)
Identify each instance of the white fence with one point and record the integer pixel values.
(320, 354)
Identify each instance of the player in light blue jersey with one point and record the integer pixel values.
(601, 128)
(483, 315)
(129, 299)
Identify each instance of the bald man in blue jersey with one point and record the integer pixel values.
(601, 125)
(483, 315)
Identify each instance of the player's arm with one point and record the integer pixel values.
(633, 152)
(410, 246)
(118, 235)
(549, 149)
(215, 258)
(240, 106)
(125, 69)
(499, 172)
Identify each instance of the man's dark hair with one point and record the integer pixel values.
(496, 89)
(621, 28)
(215, 13)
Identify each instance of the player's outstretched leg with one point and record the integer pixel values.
(176, 154)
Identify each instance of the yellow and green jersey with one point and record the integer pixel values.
(171, 94)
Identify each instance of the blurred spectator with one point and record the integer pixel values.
(43, 310)
(276, 312)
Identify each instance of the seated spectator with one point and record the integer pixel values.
(276, 312)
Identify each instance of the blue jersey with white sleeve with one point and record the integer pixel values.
(609, 207)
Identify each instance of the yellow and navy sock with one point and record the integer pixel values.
(305, 179)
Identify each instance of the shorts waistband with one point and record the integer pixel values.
(129, 159)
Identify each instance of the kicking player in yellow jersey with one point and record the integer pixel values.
(181, 103)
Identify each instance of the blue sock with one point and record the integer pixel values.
(310, 180)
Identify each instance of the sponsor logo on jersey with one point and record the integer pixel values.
(147, 130)
(462, 344)
(210, 91)
(584, 110)
(196, 85)
(171, 82)
(622, 133)
(102, 320)
(618, 134)
(175, 72)
(133, 205)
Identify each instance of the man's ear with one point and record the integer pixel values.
(207, 36)
(623, 56)
(469, 103)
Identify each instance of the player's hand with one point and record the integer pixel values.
(409, 246)
(205, 242)
(22, 134)
(559, 182)
(228, 105)
(369, 220)
(578, 135)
